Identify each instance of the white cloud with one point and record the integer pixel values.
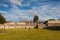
(45, 12)
(14, 6)
(3, 11)
(4, 5)
(18, 14)
(26, 4)
(16, 2)
(5, 15)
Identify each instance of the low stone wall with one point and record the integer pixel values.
(41, 25)
(16, 26)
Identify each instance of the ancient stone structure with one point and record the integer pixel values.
(54, 23)
(11, 25)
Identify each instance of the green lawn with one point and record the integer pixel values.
(30, 34)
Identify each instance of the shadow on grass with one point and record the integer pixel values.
(53, 28)
(3, 31)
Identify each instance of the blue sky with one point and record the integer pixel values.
(17, 10)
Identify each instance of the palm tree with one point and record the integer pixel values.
(36, 20)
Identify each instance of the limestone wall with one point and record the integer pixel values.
(54, 23)
(41, 25)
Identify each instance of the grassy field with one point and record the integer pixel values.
(30, 34)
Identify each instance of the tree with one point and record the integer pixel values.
(45, 22)
(58, 19)
(51, 19)
(2, 19)
(35, 20)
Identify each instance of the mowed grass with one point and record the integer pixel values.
(30, 34)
